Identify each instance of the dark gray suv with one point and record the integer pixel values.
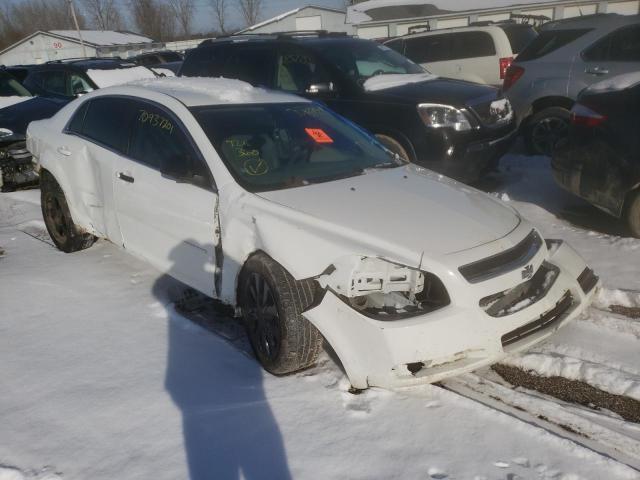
(568, 56)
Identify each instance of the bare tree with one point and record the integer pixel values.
(19, 19)
(220, 13)
(251, 10)
(154, 19)
(103, 14)
(183, 10)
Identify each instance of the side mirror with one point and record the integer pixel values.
(319, 88)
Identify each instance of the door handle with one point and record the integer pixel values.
(64, 151)
(597, 71)
(125, 178)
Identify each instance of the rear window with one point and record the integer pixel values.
(203, 62)
(550, 41)
(519, 36)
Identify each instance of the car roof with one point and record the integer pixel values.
(194, 92)
(87, 63)
(296, 36)
(471, 28)
(598, 21)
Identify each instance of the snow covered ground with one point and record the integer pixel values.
(101, 378)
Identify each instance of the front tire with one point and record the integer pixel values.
(272, 303)
(545, 129)
(65, 234)
(633, 214)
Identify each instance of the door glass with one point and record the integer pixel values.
(160, 143)
(55, 82)
(432, 48)
(107, 122)
(297, 70)
(253, 65)
(77, 121)
(625, 45)
(78, 84)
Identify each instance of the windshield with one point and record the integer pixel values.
(9, 87)
(364, 59)
(274, 146)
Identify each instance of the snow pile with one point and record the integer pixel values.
(118, 76)
(382, 82)
(14, 99)
(619, 82)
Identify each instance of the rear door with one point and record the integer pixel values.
(165, 200)
(616, 54)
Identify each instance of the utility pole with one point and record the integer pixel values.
(75, 21)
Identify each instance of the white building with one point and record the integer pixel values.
(40, 47)
(390, 18)
(304, 18)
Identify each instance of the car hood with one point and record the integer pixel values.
(447, 91)
(18, 116)
(410, 207)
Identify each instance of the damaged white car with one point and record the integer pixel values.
(307, 226)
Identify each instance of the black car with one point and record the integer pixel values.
(600, 159)
(69, 78)
(164, 59)
(455, 127)
(17, 109)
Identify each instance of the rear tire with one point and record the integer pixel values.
(545, 129)
(393, 145)
(272, 303)
(57, 217)
(633, 214)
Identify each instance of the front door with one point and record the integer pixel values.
(165, 201)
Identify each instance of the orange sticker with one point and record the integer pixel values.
(318, 135)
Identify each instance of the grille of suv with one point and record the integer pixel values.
(503, 262)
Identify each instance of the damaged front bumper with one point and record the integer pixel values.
(461, 337)
(17, 169)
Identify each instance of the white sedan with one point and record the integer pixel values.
(307, 226)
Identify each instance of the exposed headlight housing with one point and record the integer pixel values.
(384, 290)
(444, 116)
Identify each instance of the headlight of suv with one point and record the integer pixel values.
(5, 133)
(384, 290)
(444, 116)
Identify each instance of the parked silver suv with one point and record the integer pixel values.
(568, 55)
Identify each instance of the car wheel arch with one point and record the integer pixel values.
(551, 101)
(399, 137)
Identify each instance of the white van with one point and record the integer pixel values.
(479, 54)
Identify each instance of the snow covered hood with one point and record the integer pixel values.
(407, 206)
(118, 76)
(382, 82)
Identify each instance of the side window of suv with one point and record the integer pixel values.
(203, 62)
(471, 45)
(159, 142)
(621, 46)
(298, 69)
(430, 48)
(107, 121)
(251, 64)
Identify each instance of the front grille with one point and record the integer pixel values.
(587, 280)
(503, 262)
(546, 320)
(523, 295)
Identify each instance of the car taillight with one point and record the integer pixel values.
(585, 117)
(511, 76)
(505, 63)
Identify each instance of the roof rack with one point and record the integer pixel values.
(285, 34)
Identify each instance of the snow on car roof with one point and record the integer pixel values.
(116, 76)
(214, 91)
